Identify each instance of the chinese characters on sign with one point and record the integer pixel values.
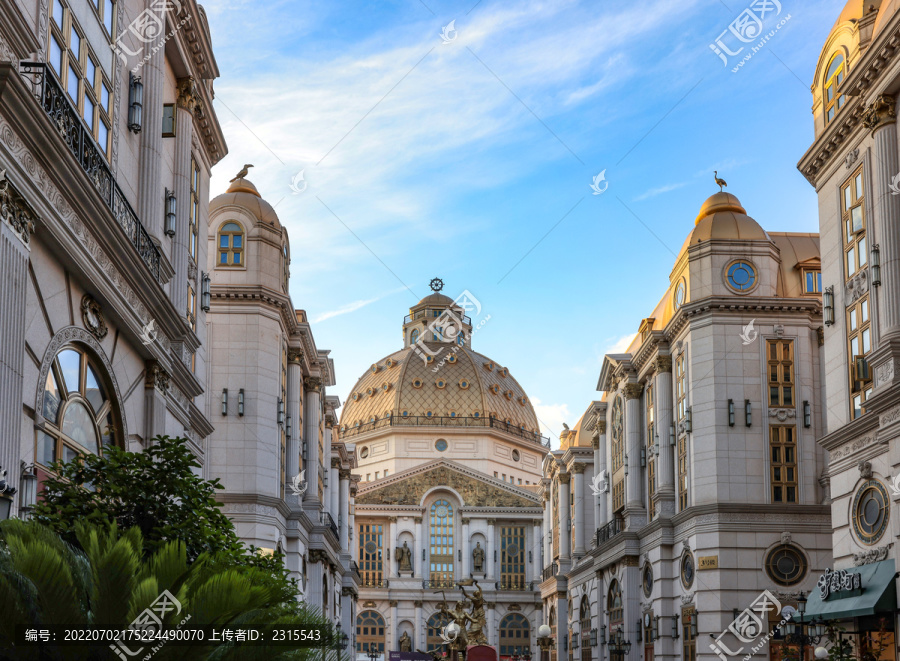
(838, 581)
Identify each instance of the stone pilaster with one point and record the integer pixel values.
(578, 489)
(565, 545)
(600, 463)
(312, 415)
(156, 385)
(345, 510)
(665, 472)
(292, 408)
(150, 155)
(634, 505)
(184, 131)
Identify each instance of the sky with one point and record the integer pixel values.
(397, 147)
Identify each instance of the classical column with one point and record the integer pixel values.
(578, 489)
(156, 384)
(15, 230)
(292, 408)
(537, 565)
(597, 612)
(390, 540)
(345, 510)
(547, 548)
(419, 643)
(563, 520)
(334, 483)
(562, 628)
(312, 415)
(466, 550)
(491, 620)
(422, 551)
(150, 154)
(600, 458)
(187, 103)
(633, 484)
(490, 569)
(665, 469)
(392, 627)
(316, 569)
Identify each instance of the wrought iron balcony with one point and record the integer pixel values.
(395, 420)
(550, 572)
(421, 314)
(354, 567)
(329, 523)
(438, 584)
(514, 585)
(608, 531)
(371, 582)
(80, 143)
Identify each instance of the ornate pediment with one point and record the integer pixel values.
(410, 487)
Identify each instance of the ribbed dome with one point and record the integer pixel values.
(244, 194)
(470, 386)
(436, 299)
(723, 217)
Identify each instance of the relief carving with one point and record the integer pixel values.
(885, 372)
(849, 448)
(870, 556)
(782, 414)
(92, 317)
(857, 286)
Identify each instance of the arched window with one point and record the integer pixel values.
(442, 549)
(551, 621)
(614, 604)
(584, 617)
(618, 456)
(414, 336)
(80, 414)
(369, 632)
(515, 635)
(435, 625)
(834, 100)
(231, 245)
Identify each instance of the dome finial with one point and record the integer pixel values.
(722, 183)
(436, 284)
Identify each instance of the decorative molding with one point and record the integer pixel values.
(786, 538)
(881, 112)
(849, 448)
(92, 317)
(15, 210)
(630, 561)
(601, 426)
(514, 607)
(857, 286)
(187, 96)
(782, 414)
(579, 468)
(318, 555)
(312, 383)
(295, 356)
(865, 469)
(192, 269)
(563, 478)
(633, 390)
(893, 414)
(687, 598)
(870, 556)
(465, 522)
(371, 604)
(850, 159)
(417, 603)
(393, 603)
(156, 377)
(664, 363)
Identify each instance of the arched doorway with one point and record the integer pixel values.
(515, 635)
(551, 621)
(436, 624)
(369, 633)
(584, 624)
(616, 614)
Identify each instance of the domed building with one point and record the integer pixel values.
(449, 456)
(853, 165)
(694, 483)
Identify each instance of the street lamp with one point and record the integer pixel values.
(544, 640)
(617, 643)
(373, 654)
(796, 635)
(340, 642)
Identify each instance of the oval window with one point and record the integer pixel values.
(440, 445)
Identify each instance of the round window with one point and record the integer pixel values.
(417, 383)
(786, 565)
(451, 359)
(363, 452)
(441, 383)
(687, 570)
(440, 445)
(516, 456)
(371, 547)
(405, 414)
(741, 276)
(428, 414)
(476, 414)
(442, 511)
(647, 580)
(679, 295)
(464, 385)
(871, 512)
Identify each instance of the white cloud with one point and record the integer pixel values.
(653, 192)
(551, 418)
(354, 306)
(619, 345)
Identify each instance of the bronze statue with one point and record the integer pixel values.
(405, 643)
(460, 617)
(404, 558)
(478, 558)
(477, 617)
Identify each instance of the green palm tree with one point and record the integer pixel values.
(45, 581)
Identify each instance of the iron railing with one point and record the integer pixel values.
(514, 585)
(329, 523)
(369, 582)
(80, 143)
(438, 584)
(608, 531)
(395, 420)
(550, 572)
(421, 313)
(354, 567)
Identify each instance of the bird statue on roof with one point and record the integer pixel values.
(566, 426)
(243, 172)
(722, 183)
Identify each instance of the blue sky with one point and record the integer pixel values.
(472, 161)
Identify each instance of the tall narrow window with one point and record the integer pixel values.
(853, 214)
(370, 560)
(859, 344)
(651, 459)
(195, 209)
(781, 372)
(584, 621)
(834, 99)
(512, 558)
(783, 448)
(688, 642)
(442, 544)
(616, 612)
(231, 245)
(555, 501)
(618, 456)
(283, 434)
(680, 388)
(192, 308)
(682, 472)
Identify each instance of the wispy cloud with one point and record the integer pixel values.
(653, 192)
(354, 306)
(619, 345)
(551, 418)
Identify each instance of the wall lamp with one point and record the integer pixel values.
(225, 401)
(828, 302)
(672, 434)
(748, 412)
(640, 635)
(654, 449)
(626, 464)
(688, 423)
(28, 494)
(875, 261)
(171, 205)
(287, 429)
(643, 457)
(807, 414)
(675, 626)
(205, 295)
(135, 103)
(593, 638)
(6, 494)
(731, 413)
(603, 634)
(280, 411)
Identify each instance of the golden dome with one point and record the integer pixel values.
(723, 217)
(243, 193)
(435, 299)
(885, 13)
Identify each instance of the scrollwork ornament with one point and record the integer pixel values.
(880, 112)
(92, 317)
(15, 211)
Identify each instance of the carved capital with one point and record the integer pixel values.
(156, 377)
(564, 478)
(579, 468)
(317, 555)
(465, 522)
(633, 390)
(344, 474)
(15, 211)
(417, 520)
(295, 356)
(393, 603)
(335, 462)
(601, 427)
(417, 604)
(664, 363)
(492, 522)
(630, 561)
(313, 383)
(880, 112)
(392, 519)
(188, 96)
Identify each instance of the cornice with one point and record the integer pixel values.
(852, 430)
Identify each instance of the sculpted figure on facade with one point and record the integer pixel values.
(405, 643)
(478, 558)
(404, 558)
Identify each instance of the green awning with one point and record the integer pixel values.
(878, 595)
